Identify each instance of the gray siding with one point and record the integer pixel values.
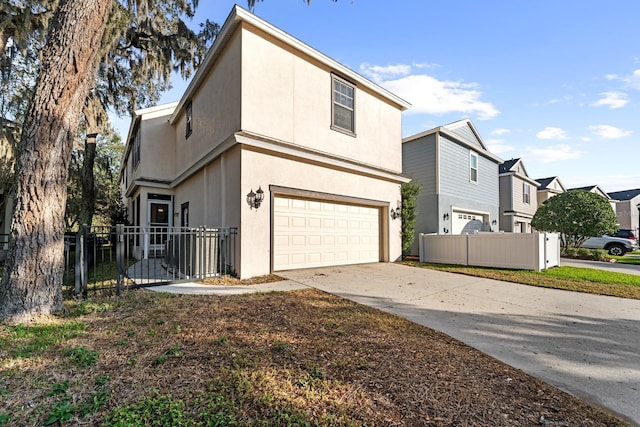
(427, 219)
(419, 162)
(454, 175)
(465, 133)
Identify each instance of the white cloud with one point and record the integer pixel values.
(379, 73)
(553, 153)
(633, 80)
(552, 133)
(498, 146)
(500, 131)
(611, 77)
(609, 132)
(559, 100)
(612, 99)
(428, 94)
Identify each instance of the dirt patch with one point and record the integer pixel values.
(232, 281)
(279, 359)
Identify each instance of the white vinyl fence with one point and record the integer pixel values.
(522, 251)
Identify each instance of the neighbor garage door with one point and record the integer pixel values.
(312, 233)
(466, 222)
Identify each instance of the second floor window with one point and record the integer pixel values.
(526, 193)
(343, 106)
(189, 123)
(136, 149)
(473, 167)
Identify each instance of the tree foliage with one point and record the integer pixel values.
(409, 213)
(108, 152)
(576, 215)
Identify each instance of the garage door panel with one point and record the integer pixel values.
(309, 233)
(466, 222)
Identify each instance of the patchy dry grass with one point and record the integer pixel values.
(233, 281)
(302, 358)
(567, 278)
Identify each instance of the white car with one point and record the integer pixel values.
(614, 245)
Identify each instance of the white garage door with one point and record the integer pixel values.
(311, 233)
(466, 222)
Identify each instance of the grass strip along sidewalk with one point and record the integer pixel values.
(567, 278)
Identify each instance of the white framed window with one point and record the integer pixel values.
(343, 106)
(473, 167)
(526, 193)
(189, 121)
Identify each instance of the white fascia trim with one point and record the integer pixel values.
(468, 211)
(522, 177)
(237, 15)
(142, 182)
(481, 150)
(320, 158)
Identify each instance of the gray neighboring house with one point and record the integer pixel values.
(596, 189)
(518, 197)
(459, 179)
(628, 209)
(549, 187)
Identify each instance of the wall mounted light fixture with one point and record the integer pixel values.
(494, 222)
(446, 230)
(445, 216)
(254, 200)
(395, 213)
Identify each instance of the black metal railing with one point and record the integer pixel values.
(121, 257)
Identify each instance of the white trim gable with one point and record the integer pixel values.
(458, 131)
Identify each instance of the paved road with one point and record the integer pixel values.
(587, 345)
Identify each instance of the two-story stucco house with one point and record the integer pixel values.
(267, 114)
(458, 176)
(549, 187)
(518, 197)
(628, 209)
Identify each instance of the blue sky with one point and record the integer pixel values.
(555, 82)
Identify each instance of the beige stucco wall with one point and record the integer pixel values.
(265, 170)
(216, 109)
(288, 96)
(157, 150)
(213, 193)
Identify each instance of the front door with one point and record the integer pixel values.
(159, 220)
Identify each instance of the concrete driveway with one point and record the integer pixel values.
(587, 345)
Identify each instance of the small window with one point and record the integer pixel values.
(473, 167)
(343, 106)
(136, 149)
(526, 193)
(189, 123)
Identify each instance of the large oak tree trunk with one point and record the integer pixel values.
(31, 284)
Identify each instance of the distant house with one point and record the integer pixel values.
(597, 190)
(268, 118)
(518, 197)
(549, 187)
(459, 179)
(628, 208)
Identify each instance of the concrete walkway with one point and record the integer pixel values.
(587, 345)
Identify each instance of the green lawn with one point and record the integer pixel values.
(627, 259)
(567, 278)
